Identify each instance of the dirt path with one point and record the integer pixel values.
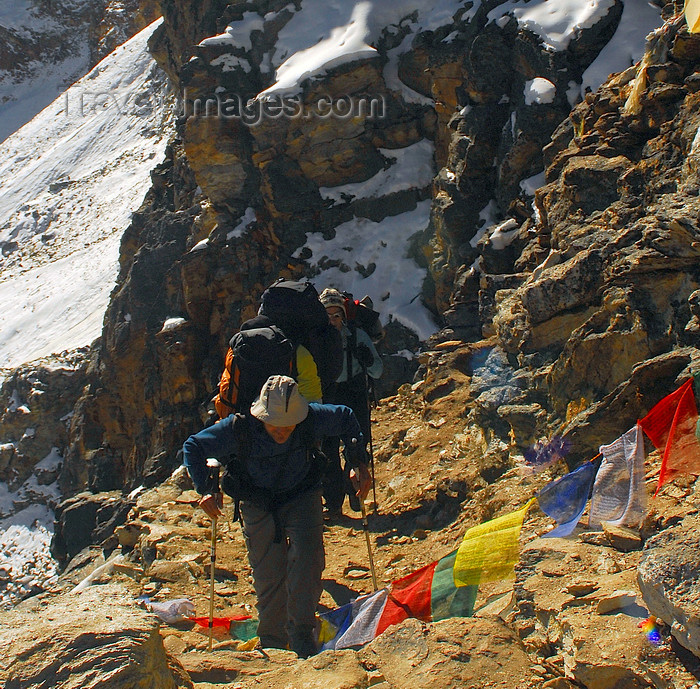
(429, 491)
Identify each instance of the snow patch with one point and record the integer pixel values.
(370, 258)
(504, 234)
(243, 224)
(327, 33)
(391, 74)
(230, 62)
(345, 43)
(556, 22)
(487, 218)
(626, 47)
(237, 34)
(25, 541)
(412, 167)
(539, 91)
(172, 324)
(532, 184)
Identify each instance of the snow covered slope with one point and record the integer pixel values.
(43, 50)
(70, 180)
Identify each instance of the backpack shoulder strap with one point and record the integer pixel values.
(241, 430)
(306, 432)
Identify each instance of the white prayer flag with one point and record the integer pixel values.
(619, 493)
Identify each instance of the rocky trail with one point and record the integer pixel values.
(570, 619)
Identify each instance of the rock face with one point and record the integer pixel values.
(571, 278)
(611, 261)
(457, 652)
(37, 402)
(84, 519)
(117, 23)
(98, 640)
(586, 625)
(668, 579)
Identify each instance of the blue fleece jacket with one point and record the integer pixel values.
(269, 463)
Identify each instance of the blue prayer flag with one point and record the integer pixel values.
(334, 623)
(564, 500)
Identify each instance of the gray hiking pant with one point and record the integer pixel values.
(287, 575)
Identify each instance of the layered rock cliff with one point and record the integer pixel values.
(551, 285)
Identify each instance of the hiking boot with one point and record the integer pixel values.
(303, 641)
(354, 502)
(271, 642)
(304, 648)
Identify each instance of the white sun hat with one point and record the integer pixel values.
(280, 403)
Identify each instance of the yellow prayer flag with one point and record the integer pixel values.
(327, 631)
(248, 645)
(692, 15)
(489, 551)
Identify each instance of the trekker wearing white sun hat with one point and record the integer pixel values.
(274, 474)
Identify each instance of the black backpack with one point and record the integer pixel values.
(254, 355)
(361, 314)
(295, 308)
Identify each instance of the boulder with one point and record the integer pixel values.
(578, 609)
(601, 422)
(98, 638)
(457, 652)
(85, 519)
(669, 579)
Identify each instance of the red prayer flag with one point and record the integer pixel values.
(408, 597)
(671, 424)
(224, 622)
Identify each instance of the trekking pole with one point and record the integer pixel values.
(211, 586)
(214, 473)
(371, 463)
(369, 427)
(365, 527)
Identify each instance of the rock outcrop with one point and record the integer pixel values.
(610, 264)
(97, 640)
(38, 400)
(668, 580)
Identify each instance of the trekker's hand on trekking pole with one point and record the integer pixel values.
(212, 504)
(361, 480)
